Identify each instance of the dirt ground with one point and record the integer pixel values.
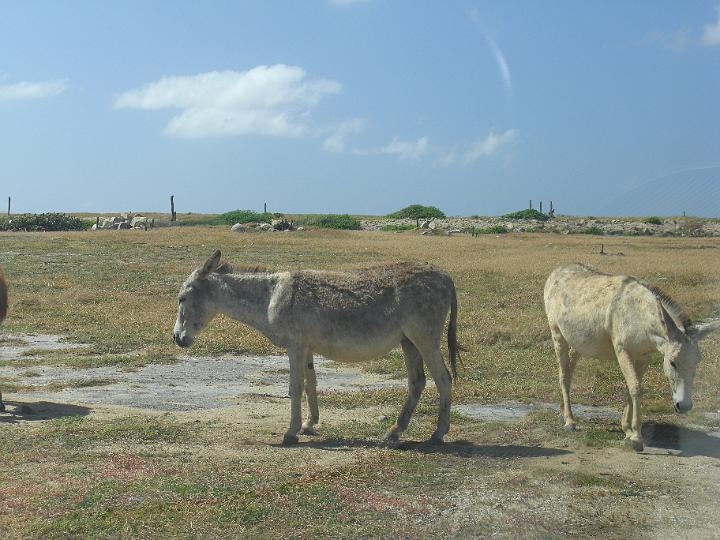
(492, 486)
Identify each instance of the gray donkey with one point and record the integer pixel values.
(345, 315)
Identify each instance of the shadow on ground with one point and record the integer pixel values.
(689, 442)
(459, 448)
(40, 410)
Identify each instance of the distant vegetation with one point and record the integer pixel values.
(44, 222)
(528, 213)
(653, 220)
(594, 230)
(246, 216)
(396, 227)
(334, 221)
(493, 229)
(418, 211)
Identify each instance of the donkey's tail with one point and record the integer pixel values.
(3, 296)
(453, 347)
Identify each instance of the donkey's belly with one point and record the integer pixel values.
(356, 347)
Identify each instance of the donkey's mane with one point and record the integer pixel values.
(671, 306)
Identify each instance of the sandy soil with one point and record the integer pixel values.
(507, 491)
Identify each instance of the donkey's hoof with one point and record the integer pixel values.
(570, 427)
(391, 439)
(632, 444)
(2, 407)
(308, 430)
(436, 439)
(289, 440)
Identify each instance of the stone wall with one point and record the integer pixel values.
(562, 224)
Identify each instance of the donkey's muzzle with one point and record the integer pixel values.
(682, 408)
(181, 341)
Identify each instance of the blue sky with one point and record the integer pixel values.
(358, 106)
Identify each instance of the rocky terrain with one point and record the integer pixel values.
(676, 226)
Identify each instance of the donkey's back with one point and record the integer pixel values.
(593, 310)
(361, 314)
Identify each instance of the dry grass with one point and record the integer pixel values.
(116, 291)
(155, 475)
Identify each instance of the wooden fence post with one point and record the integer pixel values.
(173, 215)
(8, 206)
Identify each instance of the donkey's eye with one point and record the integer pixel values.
(181, 300)
(674, 365)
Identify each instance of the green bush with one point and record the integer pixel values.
(594, 230)
(529, 213)
(417, 211)
(51, 221)
(246, 216)
(396, 227)
(653, 220)
(334, 221)
(493, 229)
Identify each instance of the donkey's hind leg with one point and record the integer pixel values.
(429, 348)
(567, 360)
(2, 405)
(416, 384)
(308, 428)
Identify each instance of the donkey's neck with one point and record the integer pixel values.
(244, 297)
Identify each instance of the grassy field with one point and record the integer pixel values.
(132, 473)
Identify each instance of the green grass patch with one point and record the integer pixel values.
(245, 216)
(493, 229)
(333, 221)
(528, 213)
(52, 221)
(397, 227)
(653, 220)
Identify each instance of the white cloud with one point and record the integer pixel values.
(336, 142)
(711, 33)
(489, 145)
(677, 41)
(265, 100)
(32, 90)
(405, 150)
(502, 65)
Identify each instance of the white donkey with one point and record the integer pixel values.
(621, 317)
(349, 315)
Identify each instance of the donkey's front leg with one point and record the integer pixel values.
(633, 372)
(308, 428)
(297, 373)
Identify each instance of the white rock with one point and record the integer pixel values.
(238, 227)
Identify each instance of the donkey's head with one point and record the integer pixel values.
(195, 305)
(682, 355)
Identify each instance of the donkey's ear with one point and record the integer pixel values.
(210, 265)
(702, 330)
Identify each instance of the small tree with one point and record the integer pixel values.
(418, 211)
